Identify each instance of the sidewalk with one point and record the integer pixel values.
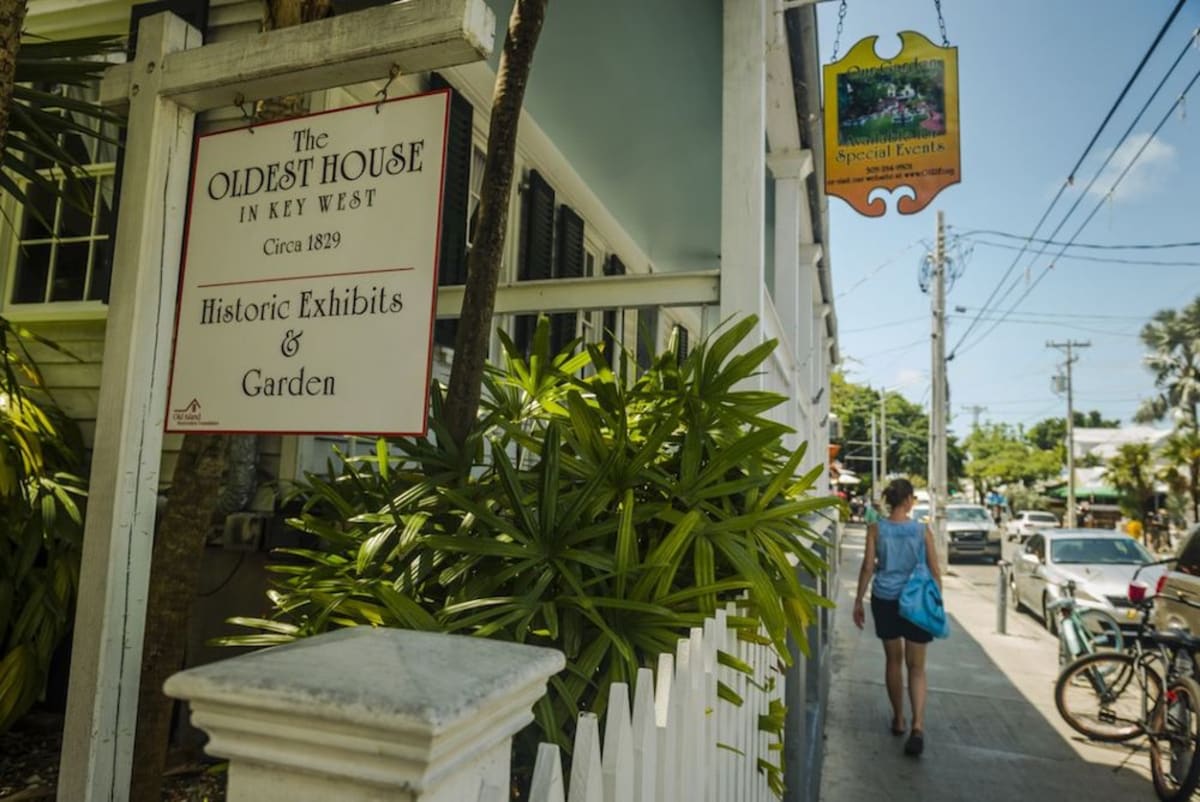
(992, 732)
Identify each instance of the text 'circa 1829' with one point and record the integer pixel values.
(309, 272)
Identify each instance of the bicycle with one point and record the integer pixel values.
(1149, 690)
(1083, 630)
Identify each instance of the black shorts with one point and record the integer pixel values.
(889, 624)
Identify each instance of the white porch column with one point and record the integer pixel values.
(789, 169)
(743, 158)
(369, 715)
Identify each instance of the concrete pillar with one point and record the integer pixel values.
(369, 715)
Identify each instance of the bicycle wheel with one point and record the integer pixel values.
(1174, 729)
(1102, 630)
(1100, 695)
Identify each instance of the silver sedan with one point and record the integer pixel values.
(1101, 564)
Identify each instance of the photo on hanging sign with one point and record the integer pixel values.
(892, 123)
(309, 274)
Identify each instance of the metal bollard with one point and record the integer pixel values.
(1002, 599)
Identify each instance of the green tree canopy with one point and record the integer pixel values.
(998, 454)
(907, 432)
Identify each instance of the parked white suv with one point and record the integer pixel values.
(1027, 522)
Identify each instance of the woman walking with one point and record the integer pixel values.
(896, 545)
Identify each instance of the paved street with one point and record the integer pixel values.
(992, 732)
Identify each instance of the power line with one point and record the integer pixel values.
(887, 325)
(1104, 165)
(890, 260)
(1081, 315)
(1072, 326)
(1071, 177)
(1092, 214)
(1128, 84)
(1150, 246)
(1102, 259)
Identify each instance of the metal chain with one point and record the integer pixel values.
(941, 22)
(837, 37)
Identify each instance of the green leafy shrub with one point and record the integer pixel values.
(41, 525)
(595, 518)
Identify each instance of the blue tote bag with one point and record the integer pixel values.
(921, 602)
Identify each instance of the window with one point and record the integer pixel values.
(63, 252)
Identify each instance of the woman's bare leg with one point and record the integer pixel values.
(894, 675)
(914, 658)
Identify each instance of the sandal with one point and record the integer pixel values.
(897, 730)
(915, 744)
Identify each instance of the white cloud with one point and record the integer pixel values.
(907, 377)
(1154, 164)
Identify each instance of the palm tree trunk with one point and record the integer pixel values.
(483, 266)
(12, 19)
(195, 499)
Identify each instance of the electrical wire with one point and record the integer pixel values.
(1101, 259)
(1095, 210)
(1057, 325)
(1081, 315)
(887, 325)
(874, 272)
(1071, 177)
(1152, 246)
(894, 349)
(1100, 171)
(1128, 85)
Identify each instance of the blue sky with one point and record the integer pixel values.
(1036, 79)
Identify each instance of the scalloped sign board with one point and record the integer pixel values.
(892, 124)
(309, 276)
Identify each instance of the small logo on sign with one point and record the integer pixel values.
(190, 414)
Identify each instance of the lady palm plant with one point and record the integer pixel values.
(41, 453)
(597, 518)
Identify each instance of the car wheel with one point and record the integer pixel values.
(1047, 618)
(1013, 598)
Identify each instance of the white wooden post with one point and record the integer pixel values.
(369, 715)
(617, 760)
(170, 80)
(645, 738)
(743, 161)
(110, 616)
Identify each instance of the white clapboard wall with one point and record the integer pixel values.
(677, 742)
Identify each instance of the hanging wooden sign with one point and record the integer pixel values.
(310, 272)
(892, 123)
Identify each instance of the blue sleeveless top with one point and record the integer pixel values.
(898, 549)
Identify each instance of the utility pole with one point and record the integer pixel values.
(937, 418)
(976, 410)
(874, 461)
(882, 436)
(1069, 347)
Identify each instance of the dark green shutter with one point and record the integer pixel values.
(456, 199)
(569, 264)
(681, 343)
(537, 247)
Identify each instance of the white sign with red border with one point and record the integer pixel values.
(309, 277)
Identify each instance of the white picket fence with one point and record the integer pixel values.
(679, 742)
